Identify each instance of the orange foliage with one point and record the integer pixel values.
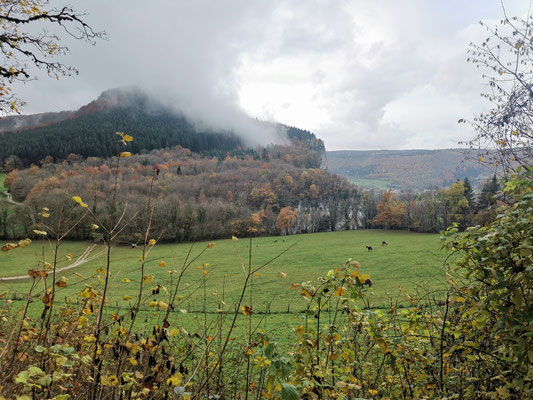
(391, 211)
(286, 218)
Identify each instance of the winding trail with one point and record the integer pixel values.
(82, 259)
(9, 199)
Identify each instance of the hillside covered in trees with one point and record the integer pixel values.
(85, 132)
(406, 169)
(278, 190)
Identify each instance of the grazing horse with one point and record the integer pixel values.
(369, 248)
(384, 243)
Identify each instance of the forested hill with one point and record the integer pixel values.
(15, 123)
(404, 169)
(86, 132)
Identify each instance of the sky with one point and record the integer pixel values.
(361, 74)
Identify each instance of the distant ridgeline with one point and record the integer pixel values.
(405, 169)
(88, 131)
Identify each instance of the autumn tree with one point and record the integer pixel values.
(455, 204)
(391, 211)
(27, 41)
(286, 219)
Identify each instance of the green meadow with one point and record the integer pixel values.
(379, 184)
(409, 261)
(2, 177)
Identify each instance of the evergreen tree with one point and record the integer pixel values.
(469, 193)
(468, 214)
(489, 190)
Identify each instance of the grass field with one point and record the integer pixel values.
(378, 184)
(410, 260)
(2, 177)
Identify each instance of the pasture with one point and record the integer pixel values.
(410, 260)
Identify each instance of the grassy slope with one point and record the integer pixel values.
(2, 187)
(410, 259)
(379, 184)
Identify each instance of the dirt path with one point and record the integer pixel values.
(9, 199)
(82, 259)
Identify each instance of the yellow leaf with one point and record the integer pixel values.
(9, 246)
(127, 138)
(126, 297)
(282, 275)
(41, 233)
(82, 321)
(94, 226)
(234, 238)
(77, 199)
(85, 293)
(480, 159)
(125, 154)
(119, 133)
(175, 379)
(294, 286)
(162, 264)
(24, 243)
(340, 291)
(246, 310)
(151, 242)
(211, 245)
(68, 256)
(518, 45)
(126, 280)
(148, 279)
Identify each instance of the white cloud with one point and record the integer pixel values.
(359, 74)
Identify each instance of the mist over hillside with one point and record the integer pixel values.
(153, 122)
(13, 123)
(405, 169)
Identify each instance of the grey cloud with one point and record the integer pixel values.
(350, 62)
